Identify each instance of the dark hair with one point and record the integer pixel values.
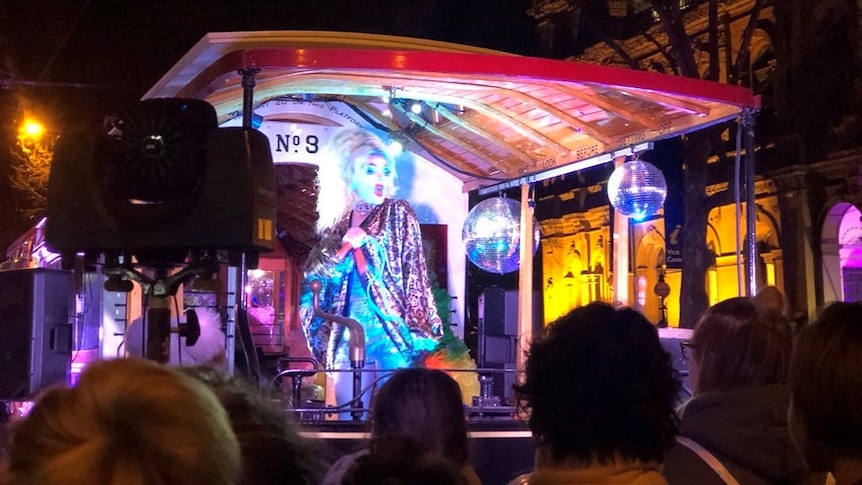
(825, 380)
(423, 404)
(599, 384)
(737, 345)
(400, 460)
(272, 449)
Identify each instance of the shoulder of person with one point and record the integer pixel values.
(470, 475)
(682, 466)
(339, 468)
(816, 479)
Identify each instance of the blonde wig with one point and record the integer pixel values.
(335, 198)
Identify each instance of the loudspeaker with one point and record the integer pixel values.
(166, 182)
(498, 335)
(498, 311)
(35, 332)
(498, 327)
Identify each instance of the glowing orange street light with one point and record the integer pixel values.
(31, 129)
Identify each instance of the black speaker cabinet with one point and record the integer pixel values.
(35, 330)
(181, 189)
(498, 336)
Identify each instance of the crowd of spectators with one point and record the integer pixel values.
(770, 405)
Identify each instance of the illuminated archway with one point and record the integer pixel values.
(841, 250)
(649, 262)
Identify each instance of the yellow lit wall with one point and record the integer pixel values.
(569, 263)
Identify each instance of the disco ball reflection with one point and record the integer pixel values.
(637, 189)
(492, 235)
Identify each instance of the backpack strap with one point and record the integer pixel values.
(709, 459)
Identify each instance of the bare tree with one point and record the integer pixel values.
(30, 170)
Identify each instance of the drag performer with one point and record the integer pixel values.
(371, 263)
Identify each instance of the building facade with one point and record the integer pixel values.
(808, 229)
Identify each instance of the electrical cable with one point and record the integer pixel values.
(62, 42)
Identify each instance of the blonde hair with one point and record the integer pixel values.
(128, 421)
(335, 198)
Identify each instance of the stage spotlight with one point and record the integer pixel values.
(395, 147)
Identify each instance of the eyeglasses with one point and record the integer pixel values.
(687, 349)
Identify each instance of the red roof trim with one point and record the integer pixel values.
(477, 65)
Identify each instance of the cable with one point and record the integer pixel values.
(63, 41)
(179, 340)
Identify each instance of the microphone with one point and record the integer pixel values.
(346, 247)
(361, 262)
(343, 251)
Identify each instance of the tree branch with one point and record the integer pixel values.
(745, 44)
(671, 20)
(664, 52)
(629, 60)
(712, 42)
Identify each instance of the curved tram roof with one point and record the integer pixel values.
(487, 117)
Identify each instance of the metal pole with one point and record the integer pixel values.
(750, 206)
(248, 84)
(621, 252)
(737, 203)
(525, 277)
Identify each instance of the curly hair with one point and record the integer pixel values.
(127, 421)
(739, 344)
(335, 198)
(599, 385)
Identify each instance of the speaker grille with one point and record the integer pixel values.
(153, 171)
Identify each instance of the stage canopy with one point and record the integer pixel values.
(488, 118)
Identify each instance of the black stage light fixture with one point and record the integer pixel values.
(164, 183)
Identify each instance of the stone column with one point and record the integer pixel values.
(796, 242)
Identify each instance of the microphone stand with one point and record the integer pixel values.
(356, 346)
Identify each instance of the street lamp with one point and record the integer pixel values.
(662, 290)
(31, 129)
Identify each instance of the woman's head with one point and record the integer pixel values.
(358, 169)
(599, 385)
(425, 405)
(127, 421)
(737, 344)
(826, 387)
(272, 448)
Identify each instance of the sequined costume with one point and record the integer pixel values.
(391, 299)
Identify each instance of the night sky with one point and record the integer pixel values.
(123, 47)
(71, 62)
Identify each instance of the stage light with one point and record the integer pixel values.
(416, 108)
(395, 148)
